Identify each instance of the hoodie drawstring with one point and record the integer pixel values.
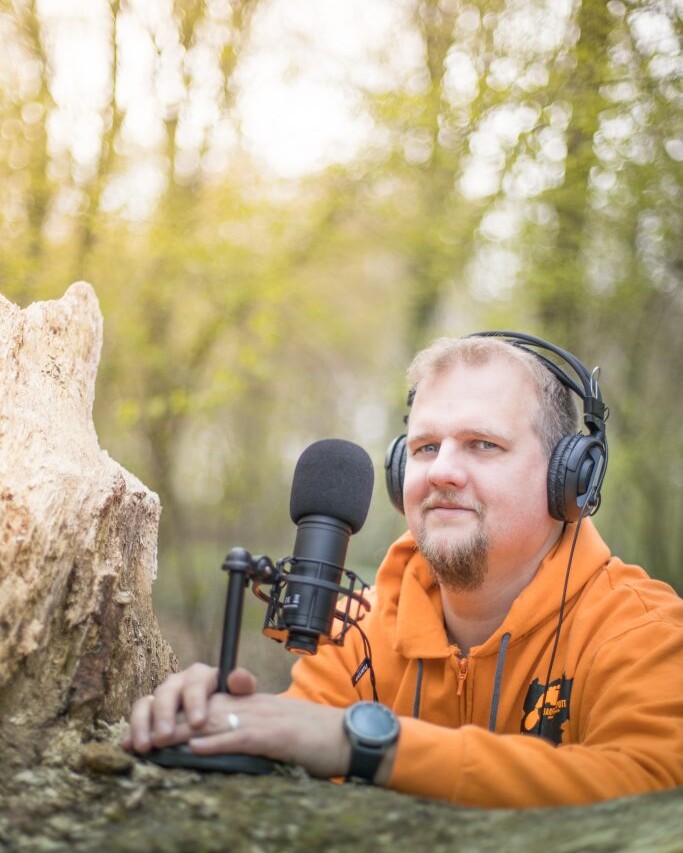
(418, 689)
(497, 681)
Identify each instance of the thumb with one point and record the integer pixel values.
(241, 682)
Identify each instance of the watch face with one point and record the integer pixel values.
(373, 723)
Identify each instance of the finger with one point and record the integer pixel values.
(241, 682)
(243, 725)
(138, 736)
(187, 691)
(164, 709)
(224, 726)
(195, 698)
(211, 744)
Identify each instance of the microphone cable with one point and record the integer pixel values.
(368, 658)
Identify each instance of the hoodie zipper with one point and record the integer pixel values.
(462, 675)
(462, 678)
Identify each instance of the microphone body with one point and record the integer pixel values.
(331, 493)
(319, 553)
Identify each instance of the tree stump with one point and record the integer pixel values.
(78, 533)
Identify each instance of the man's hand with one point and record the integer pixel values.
(183, 697)
(186, 709)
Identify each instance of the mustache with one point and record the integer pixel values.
(452, 500)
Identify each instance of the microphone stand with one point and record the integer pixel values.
(241, 568)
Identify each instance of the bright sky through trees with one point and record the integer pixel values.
(295, 107)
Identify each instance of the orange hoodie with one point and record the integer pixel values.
(469, 726)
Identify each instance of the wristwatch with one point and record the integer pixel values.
(372, 728)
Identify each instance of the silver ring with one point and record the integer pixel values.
(233, 721)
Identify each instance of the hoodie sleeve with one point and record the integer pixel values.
(328, 677)
(630, 738)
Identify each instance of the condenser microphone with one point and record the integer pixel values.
(331, 492)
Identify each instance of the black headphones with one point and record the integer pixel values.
(578, 462)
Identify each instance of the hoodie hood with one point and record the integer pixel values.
(410, 606)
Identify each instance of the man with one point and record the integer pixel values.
(523, 665)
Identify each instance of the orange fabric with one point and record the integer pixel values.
(614, 701)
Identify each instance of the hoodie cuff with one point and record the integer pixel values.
(428, 760)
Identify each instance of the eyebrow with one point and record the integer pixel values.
(430, 433)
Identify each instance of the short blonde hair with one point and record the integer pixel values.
(556, 416)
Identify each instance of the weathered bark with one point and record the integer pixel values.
(78, 533)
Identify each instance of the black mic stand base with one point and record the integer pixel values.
(182, 756)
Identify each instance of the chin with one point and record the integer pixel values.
(446, 542)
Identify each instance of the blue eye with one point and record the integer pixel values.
(427, 448)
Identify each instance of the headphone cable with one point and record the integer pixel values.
(560, 617)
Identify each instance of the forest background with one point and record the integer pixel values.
(279, 201)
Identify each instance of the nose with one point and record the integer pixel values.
(448, 469)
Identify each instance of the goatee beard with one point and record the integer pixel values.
(462, 567)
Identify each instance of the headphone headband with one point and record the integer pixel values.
(594, 410)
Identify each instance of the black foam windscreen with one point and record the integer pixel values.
(333, 477)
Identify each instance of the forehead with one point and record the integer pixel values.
(500, 391)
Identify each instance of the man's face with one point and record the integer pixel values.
(475, 484)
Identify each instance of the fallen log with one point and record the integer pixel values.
(94, 797)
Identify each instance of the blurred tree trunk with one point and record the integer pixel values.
(605, 276)
(105, 162)
(577, 83)
(24, 168)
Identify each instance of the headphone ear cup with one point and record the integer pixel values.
(395, 469)
(570, 471)
(558, 505)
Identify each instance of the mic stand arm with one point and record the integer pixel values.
(241, 568)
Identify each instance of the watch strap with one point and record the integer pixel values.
(365, 761)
